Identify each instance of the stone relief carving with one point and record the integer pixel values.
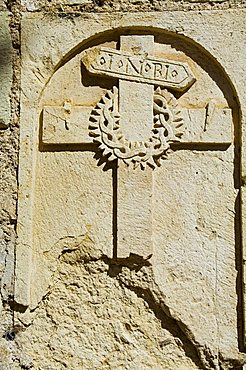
(158, 115)
(146, 213)
(167, 128)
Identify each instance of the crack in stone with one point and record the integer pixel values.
(202, 355)
(135, 273)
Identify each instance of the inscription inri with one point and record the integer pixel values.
(138, 68)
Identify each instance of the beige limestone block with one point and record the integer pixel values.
(134, 188)
(200, 128)
(31, 5)
(190, 238)
(194, 192)
(24, 249)
(34, 5)
(2, 5)
(64, 125)
(243, 205)
(103, 322)
(5, 69)
(136, 122)
(134, 215)
(81, 200)
(135, 99)
(61, 127)
(71, 127)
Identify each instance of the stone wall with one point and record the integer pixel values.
(92, 310)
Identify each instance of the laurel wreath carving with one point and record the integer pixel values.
(167, 128)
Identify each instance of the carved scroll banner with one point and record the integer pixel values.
(138, 67)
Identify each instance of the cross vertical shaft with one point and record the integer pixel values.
(134, 211)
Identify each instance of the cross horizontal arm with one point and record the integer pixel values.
(62, 127)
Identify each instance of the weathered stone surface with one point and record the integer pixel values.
(34, 5)
(8, 182)
(138, 66)
(68, 126)
(179, 217)
(2, 5)
(31, 5)
(5, 70)
(62, 125)
(66, 6)
(105, 323)
(8, 159)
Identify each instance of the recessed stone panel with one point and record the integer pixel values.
(146, 171)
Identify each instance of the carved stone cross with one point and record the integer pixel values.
(137, 73)
(134, 213)
(135, 124)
